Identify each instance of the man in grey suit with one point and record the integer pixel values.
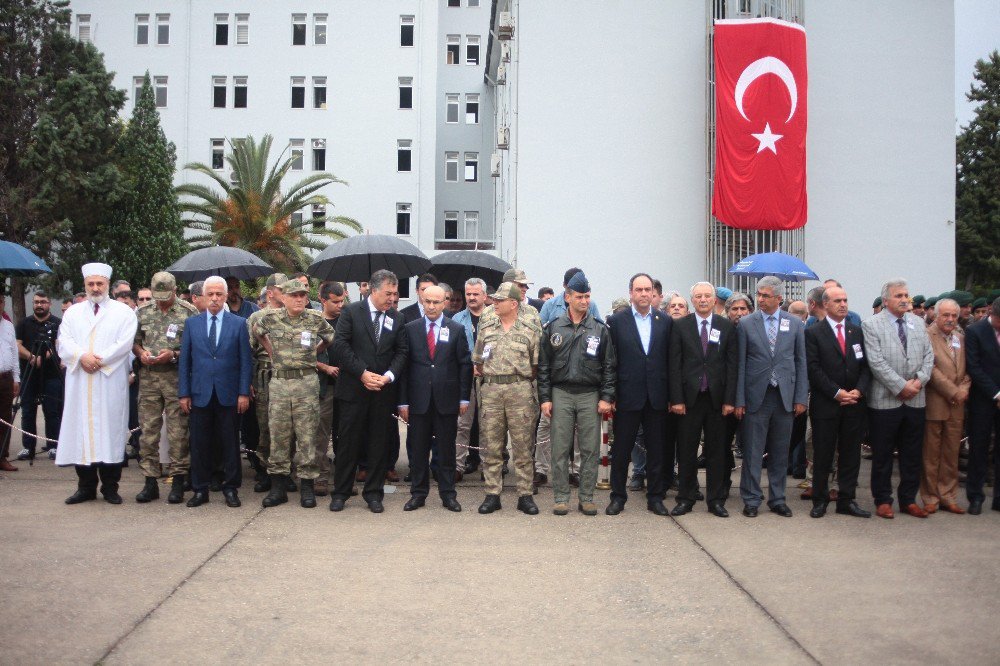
(900, 357)
(772, 387)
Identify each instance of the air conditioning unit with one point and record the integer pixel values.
(505, 29)
(503, 137)
(501, 74)
(504, 52)
(495, 165)
(319, 143)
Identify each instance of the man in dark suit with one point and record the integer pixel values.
(982, 362)
(702, 393)
(434, 391)
(415, 311)
(641, 335)
(838, 380)
(771, 388)
(214, 373)
(370, 349)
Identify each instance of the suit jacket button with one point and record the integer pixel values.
(432, 365)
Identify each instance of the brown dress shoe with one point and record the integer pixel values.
(952, 508)
(362, 475)
(884, 511)
(807, 494)
(5, 466)
(391, 476)
(915, 511)
(459, 476)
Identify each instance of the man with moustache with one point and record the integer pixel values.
(332, 296)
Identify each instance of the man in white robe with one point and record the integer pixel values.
(94, 342)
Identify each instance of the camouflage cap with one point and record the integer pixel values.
(163, 286)
(619, 304)
(276, 280)
(516, 275)
(507, 290)
(294, 287)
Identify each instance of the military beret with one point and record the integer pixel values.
(877, 303)
(276, 280)
(994, 295)
(294, 287)
(723, 292)
(930, 302)
(918, 300)
(979, 303)
(963, 298)
(579, 283)
(516, 275)
(507, 290)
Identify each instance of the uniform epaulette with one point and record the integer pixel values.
(186, 306)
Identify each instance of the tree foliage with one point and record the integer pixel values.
(144, 232)
(977, 189)
(251, 212)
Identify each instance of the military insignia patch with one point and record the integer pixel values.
(555, 339)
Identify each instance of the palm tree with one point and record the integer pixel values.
(253, 214)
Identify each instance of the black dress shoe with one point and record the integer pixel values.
(490, 504)
(408, 478)
(975, 507)
(750, 511)
(699, 496)
(413, 503)
(336, 504)
(526, 504)
(232, 499)
(574, 480)
(451, 504)
(112, 497)
(469, 467)
(717, 509)
(818, 510)
(782, 510)
(200, 497)
(852, 509)
(81, 496)
(656, 506)
(375, 506)
(637, 483)
(682, 508)
(615, 507)
(215, 486)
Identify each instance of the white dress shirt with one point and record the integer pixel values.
(8, 350)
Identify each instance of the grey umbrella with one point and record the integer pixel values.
(354, 259)
(219, 260)
(457, 266)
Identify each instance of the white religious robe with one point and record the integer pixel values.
(95, 407)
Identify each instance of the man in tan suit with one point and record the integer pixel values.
(946, 395)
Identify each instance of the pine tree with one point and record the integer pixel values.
(144, 233)
(977, 187)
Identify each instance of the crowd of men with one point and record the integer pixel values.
(297, 383)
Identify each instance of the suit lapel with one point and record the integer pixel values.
(762, 329)
(634, 329)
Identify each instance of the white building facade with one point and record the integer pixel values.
(606, 113)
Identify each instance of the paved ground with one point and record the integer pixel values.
(142, 584)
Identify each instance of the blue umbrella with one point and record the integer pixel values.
(18, 260)
(778, 264)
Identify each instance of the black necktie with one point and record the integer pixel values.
(704, 351)
(378, 327)
(211, 334)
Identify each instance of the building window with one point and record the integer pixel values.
(298, 92)
(319, 216)
(160, 85)
(471, 167)
(451, 167)
(406, 31)
(297, 219)
(404, 155)
(137, 86)
(163, 29)
(242, 28)
(297, 152)
(403, 218)
(218, 154)
(83, 28)
(454, 46)
(319, 154)
(454, 3)
(319, 29)
(221, 29)
(451, 224)
(451, 113)
(239, 92)
(405, 92)
(473, 3)
(142, 29)
(471, 225)
(319, 92)
(472, 109)
(472, 49)
(219, 92)
(298, 29)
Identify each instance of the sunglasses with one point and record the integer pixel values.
(145, 298)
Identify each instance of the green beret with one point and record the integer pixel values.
(979, 303)
(994, 295)
(877, 303)
(930, 302)
(918, 300)
(963, 298)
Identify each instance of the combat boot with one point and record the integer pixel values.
(176, 495)
(307, 496)
(263, 484)
(149, 492)
(278, 494)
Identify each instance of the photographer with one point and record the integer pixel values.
(43, 382)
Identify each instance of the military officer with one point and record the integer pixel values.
(261, 378)
(292, 336)
(157, 346)
(506, 357)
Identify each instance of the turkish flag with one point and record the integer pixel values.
(760, 124)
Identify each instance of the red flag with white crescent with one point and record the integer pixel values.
(760, 124)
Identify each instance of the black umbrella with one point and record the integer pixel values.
(457, 266)
(219, 260)
(354, 259)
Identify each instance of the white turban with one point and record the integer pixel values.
(97, 269)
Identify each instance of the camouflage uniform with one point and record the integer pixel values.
(525, 313)
(261, 381)
(508, 401)
(293, 409)
(157, 331)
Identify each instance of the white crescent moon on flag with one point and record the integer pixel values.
(758, 68)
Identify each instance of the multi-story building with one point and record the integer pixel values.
(388, 96)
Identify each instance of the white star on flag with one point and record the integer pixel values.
(767, 139)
